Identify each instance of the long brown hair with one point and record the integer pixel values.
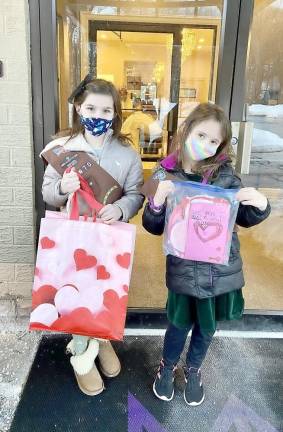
(97, 86)
(205, 111)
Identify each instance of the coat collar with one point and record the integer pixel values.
(77, 143)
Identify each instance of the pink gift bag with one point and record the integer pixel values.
(199, 227)
(82, 274)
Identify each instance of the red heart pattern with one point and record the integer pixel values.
(44, 294)
(83, 260)
(82, 321)
(124, 260)
(47, 243)
(102, 273)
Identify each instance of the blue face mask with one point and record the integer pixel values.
(96, 126)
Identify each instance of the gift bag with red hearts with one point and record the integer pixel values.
(82, 274)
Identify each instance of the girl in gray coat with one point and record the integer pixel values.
(96, 130)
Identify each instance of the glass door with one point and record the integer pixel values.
(163, 60)
(161, 76)
(139, 64)
(197, 80)
(262, 156)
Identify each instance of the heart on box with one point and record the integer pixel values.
(207, 231)
(83, 260)
(124, 260)
(47, 243)
(102, 273)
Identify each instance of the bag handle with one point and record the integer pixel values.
(86, 193)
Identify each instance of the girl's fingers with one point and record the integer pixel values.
(247, 202)
(105, 210)
(74, 186)
(107, 215)
(244, 195)
(109, 222)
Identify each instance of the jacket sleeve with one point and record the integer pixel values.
(132, 200)
(153, 221)
(51, 188)
(248, 216)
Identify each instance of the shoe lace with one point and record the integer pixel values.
(162, 369)
(193, 377)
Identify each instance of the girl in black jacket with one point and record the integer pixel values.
(200, 294)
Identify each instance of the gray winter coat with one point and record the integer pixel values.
(122, 162)
(200, 279)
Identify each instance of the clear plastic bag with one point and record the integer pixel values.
(199, 222)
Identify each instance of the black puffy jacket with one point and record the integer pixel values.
(201, 279)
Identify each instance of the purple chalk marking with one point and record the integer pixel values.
(243, 418)
(140, 419)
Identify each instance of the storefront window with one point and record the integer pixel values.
(161, 56)
(262, 246)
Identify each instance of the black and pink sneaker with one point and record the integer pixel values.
(193, 393)
(163, 386)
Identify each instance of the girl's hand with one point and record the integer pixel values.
(110, 213)
(70, 182)
(165, 187)
(250, 196)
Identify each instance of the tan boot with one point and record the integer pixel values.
(91, 383)
(109, 363)
(87, 375)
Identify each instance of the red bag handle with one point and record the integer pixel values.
(86, 193)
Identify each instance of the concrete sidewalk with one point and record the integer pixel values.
(17, 350)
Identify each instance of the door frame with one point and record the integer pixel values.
(230, 91)
(143, 27)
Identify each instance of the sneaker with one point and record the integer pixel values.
(193, 393)
(163, 386)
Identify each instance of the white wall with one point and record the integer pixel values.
(16, 160)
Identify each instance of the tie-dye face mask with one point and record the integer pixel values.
(198, 150)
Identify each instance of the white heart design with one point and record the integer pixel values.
(66, 299)
(45, 314)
